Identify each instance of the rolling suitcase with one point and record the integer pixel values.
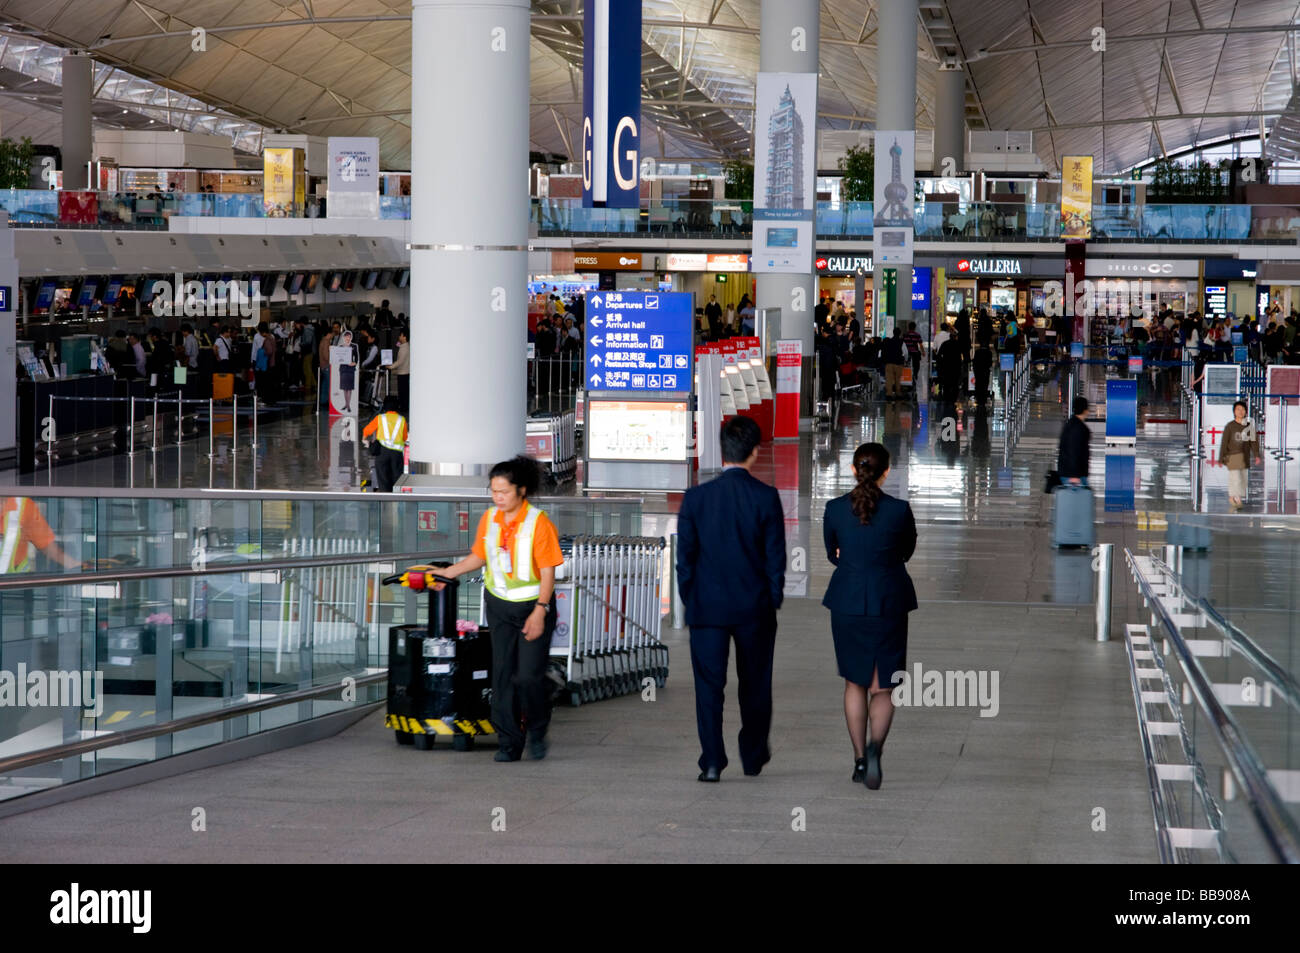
(223, 386)
(1072, 511)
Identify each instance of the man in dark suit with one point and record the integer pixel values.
(1072, 458)
(731, 574)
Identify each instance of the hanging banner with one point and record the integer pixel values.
(894, 209)
(940, 314)
(789, 381)
(353, 177)
(785, 172)
(611, 104)
(1076, 197)
(280, 186)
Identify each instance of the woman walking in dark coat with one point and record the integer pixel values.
(870, 535)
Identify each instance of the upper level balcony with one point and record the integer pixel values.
(963, 222)
(959, 222)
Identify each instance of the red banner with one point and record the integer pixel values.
(789, 378)
(79, 208)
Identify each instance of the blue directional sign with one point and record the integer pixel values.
(639, 341)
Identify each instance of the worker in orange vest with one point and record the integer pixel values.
(388, 430)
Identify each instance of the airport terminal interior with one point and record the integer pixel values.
(427, 418)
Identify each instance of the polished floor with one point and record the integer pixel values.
(1023, 784)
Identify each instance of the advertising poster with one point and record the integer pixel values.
(353, 177)
(785, 170)
(344, 398)
(1221, 389)
(652, 431)
(895, 203)
(1076, 197)
(1283, 388)
(278, 182)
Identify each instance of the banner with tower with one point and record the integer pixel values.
(785, 172)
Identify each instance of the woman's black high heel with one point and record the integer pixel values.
(873, 776)
(859, 770)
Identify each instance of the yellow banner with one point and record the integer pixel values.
(279, 181)
(1076, 197)
(941, 294)
(300, 179)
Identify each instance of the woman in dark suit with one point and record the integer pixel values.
(869, 536)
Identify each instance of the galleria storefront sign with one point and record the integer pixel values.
(990, 266)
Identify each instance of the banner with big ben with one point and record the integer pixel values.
(1076, 197)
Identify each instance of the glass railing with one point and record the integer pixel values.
(1176, 222)
(713, 218)
(395, 206)
(683, 217)
(160, 609)
(234, 205)
(1235, 606)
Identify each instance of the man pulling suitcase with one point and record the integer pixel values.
(1072, 504)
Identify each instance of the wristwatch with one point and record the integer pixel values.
(542, 605)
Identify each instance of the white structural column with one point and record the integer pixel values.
(77, 73)
(895, 110)
(469, 123)
(950, 121)
(789, 35)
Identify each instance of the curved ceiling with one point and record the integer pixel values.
(1173, 72)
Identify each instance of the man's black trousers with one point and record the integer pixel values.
(755, 645)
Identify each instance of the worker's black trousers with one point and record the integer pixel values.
(388, 469)
(518, 672)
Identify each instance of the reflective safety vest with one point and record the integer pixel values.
(10, 559)
(392, 431)
(509, 575)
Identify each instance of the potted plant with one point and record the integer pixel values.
(859, 168)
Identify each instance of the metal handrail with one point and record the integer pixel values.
(34, 580)
(1159, 810)
(1276, 824)
(1285, 681)
(113, 739)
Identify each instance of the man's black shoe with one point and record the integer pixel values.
(754, 771)
(537, 748)
(711, 774)
(506, 755)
